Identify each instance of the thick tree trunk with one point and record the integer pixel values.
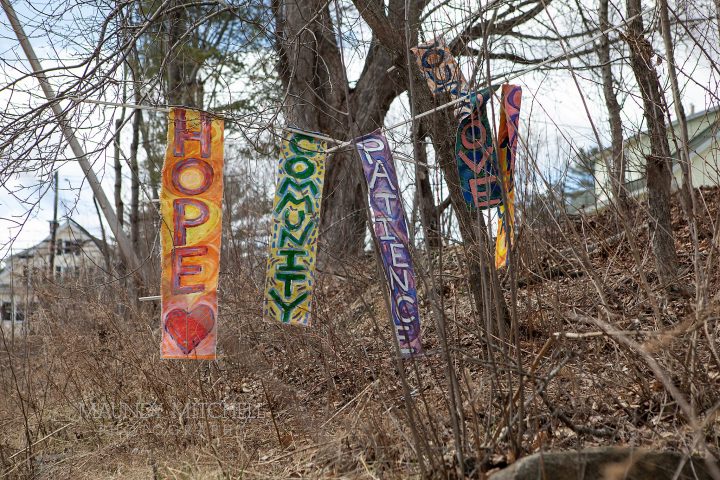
(310, 67)
(617, 171)
(342, 221)
(659, 163)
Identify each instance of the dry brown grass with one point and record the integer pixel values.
(85, 394)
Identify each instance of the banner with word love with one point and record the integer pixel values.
(388, 217)
(295, 218)
(191, 209)
(442, 73)
(507, 144)
(475, 156)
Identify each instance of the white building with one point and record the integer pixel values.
(77, 254)
(703, 146)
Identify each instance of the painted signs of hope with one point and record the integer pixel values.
(191, 208)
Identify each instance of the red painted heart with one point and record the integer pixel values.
(188, 329)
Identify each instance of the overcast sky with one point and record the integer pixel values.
(553, 115)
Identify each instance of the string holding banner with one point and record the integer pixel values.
(295, 225)
(191, 206)
(390, 226)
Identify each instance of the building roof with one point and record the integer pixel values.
(703, 128)
(67, 224)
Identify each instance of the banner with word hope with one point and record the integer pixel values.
(388, 217)
(442, 73)
(191, 209)
(293, 239)
(507, 144)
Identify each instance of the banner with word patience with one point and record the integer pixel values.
(507, 144)
(475, 156)
(442, 72)
(191, 209)
(293, 239)
(388, 217)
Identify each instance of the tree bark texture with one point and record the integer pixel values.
(135, 181)
(617, 173)
(311, 71)
(659, 163)
(686, 193)
(426, 201)
(183, 82)
(119, 207)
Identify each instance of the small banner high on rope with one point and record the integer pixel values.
(388, 217)
(191, 208)
(295, 219)
(442, 72)
(507, 145)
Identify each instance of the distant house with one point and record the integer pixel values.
(704, 149)
(77, 254)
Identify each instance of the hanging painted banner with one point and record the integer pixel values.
(442, 72)
(295, 219)
(191, 208)
(507, 144)
(475, 156)
(388, 217)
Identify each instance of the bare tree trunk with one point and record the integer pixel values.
(617, 175)
(118, 172)
(484, 282)
(687, 193)
(311, 70)
(54, 227)
(184, 86)
(135, 181)
(659, 163)
(153, 164)
(103, 238)
(686, 187)
(429, 212)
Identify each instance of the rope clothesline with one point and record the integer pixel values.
(340, 144)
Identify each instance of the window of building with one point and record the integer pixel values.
(68, 247)
(6, 311)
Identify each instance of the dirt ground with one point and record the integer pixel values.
(602, 355)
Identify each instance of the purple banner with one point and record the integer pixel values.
(391, 231)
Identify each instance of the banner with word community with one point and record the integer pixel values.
(191, 209)
(507, 144)
(442, 72)
(388, 217)
(475, 156)
(295, 218)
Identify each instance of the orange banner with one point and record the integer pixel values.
(191, 208)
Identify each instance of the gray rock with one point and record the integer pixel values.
(607, 463)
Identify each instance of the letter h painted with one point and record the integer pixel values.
(182, 134)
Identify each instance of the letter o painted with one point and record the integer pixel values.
(205, 169)
(302, 174)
